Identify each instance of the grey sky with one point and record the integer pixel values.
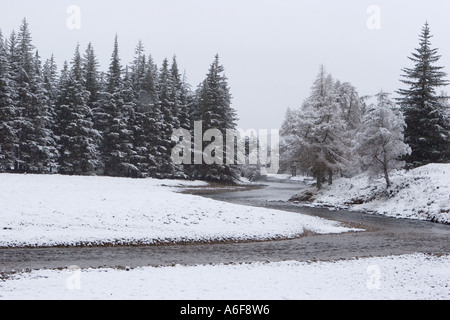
(271, 49)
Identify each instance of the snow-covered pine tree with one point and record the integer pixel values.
(381, 141)
(78, 140)
(48, 155)
(37, 149)
(213, 108)
(427, 132)
(91, 77)
(444, 100)
(138, 67)
(133, 89)
(112, 122)
(179, 98)
(132, 117)
(8, 134)
(187, 98)
(176, 92)
(150, 84)
(50, 75)
(147, 120)
(167, 124)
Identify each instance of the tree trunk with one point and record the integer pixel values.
(319, 178)
(386, 176)
(330, 176)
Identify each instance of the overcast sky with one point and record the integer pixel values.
(271, 49)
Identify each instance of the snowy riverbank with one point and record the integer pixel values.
(406, 277)
(422, 193)
(54, 210)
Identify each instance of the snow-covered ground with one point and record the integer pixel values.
(422, 193)
(50, 210)
(406, 277)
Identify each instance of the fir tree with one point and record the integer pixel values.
(8, 133)
(78, 140)
(50, 75)
(167, 123)
(91, 75)
(36, 151)
(138, 68)
(150, 136)
(146, 122)
(112, 122)
(427, 132)
(213, 108)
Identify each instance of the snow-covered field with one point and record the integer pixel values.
(51, 210)
(406, 277)
(422, 193)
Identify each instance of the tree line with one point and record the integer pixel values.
(81, 121)
(336, 131)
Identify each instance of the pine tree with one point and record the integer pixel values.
(50, 75)
(37, 148)
(78, 140)
(180, 97)
(91, 75)
(132, 116)
(187, 98)
(138, 67)
(147, 123)
(427, 132)
(150, 136)
(46, 144)
(168, 122)
(214, 100)
(213, 108)
(149, 90)
(112, 122)
(8, 133)
(380, 143)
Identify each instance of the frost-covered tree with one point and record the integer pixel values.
(381, 141)
(427, 131)
(315, 136)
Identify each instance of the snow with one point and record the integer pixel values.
(422, 193)
(55, 210)
(408, 277)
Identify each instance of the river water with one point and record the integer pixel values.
(383, 236)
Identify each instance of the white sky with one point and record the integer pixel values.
(271, 49)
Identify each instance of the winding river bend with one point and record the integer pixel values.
(383, 236)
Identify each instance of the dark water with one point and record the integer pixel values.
(384, 236)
